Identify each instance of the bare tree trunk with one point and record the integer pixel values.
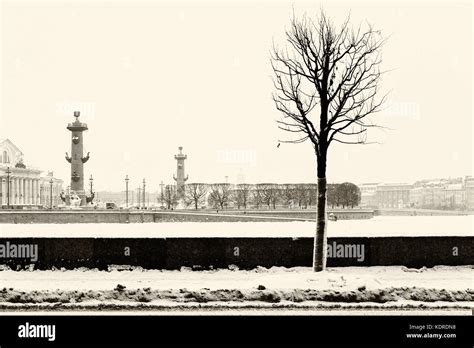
(320, 240)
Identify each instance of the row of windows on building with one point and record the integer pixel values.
(442, 194)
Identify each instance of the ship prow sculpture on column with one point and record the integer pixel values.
(76, 197)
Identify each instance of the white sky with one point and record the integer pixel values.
(151, 76)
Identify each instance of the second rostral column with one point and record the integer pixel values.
(77, 160)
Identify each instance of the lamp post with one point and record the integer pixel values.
(138, 200)
(143, 193)
(8, 187)
(126, 190)
(91, 181)
(51, 193)
(162, 197)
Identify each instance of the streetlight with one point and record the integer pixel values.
(91, 180)
(143, 193)
(8, 187)
(162, 197)
(51, 193)
(126, 190)
(138, 200)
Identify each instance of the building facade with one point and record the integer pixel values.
(469, 192)
(368, 194)
(21, 185)
(452, 193)
(440, 194)
(393, 195)
(50, 189)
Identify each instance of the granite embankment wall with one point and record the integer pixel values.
(134, 216)
(114, 216)
(246, 253)
(418, 212)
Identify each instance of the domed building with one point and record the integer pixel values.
(27, 188)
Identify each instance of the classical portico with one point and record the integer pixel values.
(24, 186)
(20, 185)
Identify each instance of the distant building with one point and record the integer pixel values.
(368, 194)
(428, 195)
(439, 194)
(26, 188)
(454, 195)
(50, 189)
(393, 195)
(417, 197)
(469, 192)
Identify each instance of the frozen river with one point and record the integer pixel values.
(380, 226)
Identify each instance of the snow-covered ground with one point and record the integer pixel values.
(440, 277)
(278, 287)
(379, 226)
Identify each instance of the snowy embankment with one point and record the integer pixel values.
(351, 287)
(380, 226)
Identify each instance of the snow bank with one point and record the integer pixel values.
(278, 287)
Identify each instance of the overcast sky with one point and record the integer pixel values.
(151, 76)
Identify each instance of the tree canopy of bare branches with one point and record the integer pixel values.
(170, 196)
(241, 195)
(219, 195)
(195, 193)
(327, 87)
(270, 194)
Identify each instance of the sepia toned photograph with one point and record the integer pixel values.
(254, 158)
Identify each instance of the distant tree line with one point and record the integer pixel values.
(221, 196)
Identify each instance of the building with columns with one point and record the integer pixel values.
(26, 186)
(393, 195)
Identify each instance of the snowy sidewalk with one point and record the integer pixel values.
(352, 287)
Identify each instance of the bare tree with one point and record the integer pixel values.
(326, 89)
(257, 196)
(311, 194)
(332, 195)
(288, 194)
(219, 195)
(195, 193)
(300, 195)
(269, 194)
(170, 196)
(241, 195)
(348, 194)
